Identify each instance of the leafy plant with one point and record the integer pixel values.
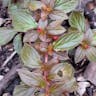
(87, 47)
(84, 39)
(43, 44)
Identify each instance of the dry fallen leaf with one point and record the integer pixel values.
(90, 72)
(82, 87)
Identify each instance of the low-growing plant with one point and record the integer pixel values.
(43, 44)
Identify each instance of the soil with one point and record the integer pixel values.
(5, 52)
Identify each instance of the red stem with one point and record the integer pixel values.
(47, 93)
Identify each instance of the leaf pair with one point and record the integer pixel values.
(21, 21)
(52, 28)
(89, 53)
(6, 35)
(75, 34)
(62, 78)
(60, 8)
(64, 5)
(55, 9)
(87, 48)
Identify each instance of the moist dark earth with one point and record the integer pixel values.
(6, 51)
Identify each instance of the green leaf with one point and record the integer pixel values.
(66, 86)
(66, 5)
(30, 78)
(21, 20)
(58, 2)
(70, 85)
(79, 55)
(91, 54)
(17, 42)
(64, 78)
(6, 35)
(77, 21)
(24, 90)
(69, 41)
(94, 40)
(62, 72)
(30, 57)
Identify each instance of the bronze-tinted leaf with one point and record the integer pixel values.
(91, 54)
(30, 36)
(51, 3)
(88, 35)
(42, 24)
(58, 15)
(79, 55)
(30, 78)
(46, 2)
(30, 57)
(24, 90)
(55, 28)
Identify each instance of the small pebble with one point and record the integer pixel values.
(81, 79)
(6, 94)
(6, 70)
(1, 77)
(11, 49)
(1, 21)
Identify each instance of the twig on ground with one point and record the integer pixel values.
(8, 77)
(8, 59)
